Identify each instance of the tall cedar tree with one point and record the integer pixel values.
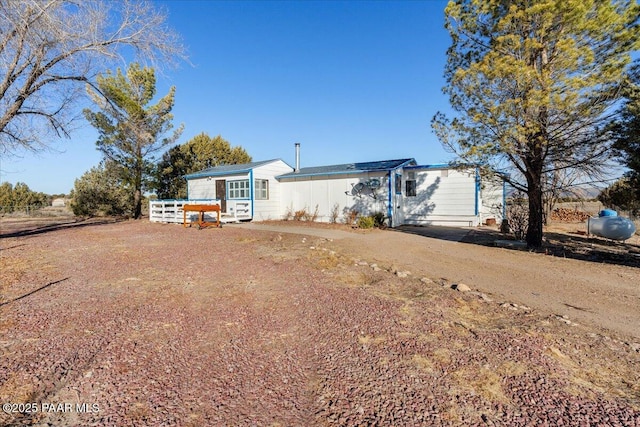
(532, 83)
(132, 131)
(197, 154)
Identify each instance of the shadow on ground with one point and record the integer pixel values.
(565, 245)
(594, 249)
(479, 236)
(33, 291)
(26, 228)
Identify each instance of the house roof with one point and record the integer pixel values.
(434, 166)
(349, 168)
(229, 169)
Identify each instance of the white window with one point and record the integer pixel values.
(238, 189)
(410, 183)
(398, 183)
(261, 188)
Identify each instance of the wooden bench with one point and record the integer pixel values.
(201, 209)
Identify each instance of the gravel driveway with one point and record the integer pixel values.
(141, 324)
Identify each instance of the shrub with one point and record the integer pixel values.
(366, 222)
(378, 219)
(100, 191)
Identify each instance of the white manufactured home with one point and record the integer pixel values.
(403, 191)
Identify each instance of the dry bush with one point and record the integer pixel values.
(305, 215)
(350, 217)
(288, 215)
(313, 216)
(300, 215)
(518, 216)
(333, 216)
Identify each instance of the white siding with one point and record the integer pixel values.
(443, 197)
(270, 209)
(325, 193)
(201, 188)
(492, 199)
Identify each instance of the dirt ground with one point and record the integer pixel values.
(291, 324)
(586, 279)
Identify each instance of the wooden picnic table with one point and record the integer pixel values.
(201, 209)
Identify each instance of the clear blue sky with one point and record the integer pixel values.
(351, 81)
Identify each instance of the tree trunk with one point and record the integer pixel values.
(137, 196)
(536, 210)
(137, 204)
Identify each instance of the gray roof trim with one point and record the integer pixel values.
(434, 166)
(348, 169)
(229, 169)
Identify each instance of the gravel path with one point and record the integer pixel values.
(157, 325)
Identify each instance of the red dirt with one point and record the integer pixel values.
(160, 325)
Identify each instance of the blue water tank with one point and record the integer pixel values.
(607, 212)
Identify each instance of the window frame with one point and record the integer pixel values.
(238, 189)
(411, 189)
(261, 189)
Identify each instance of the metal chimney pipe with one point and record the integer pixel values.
(297, 157)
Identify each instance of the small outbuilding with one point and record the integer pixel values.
(58, 202)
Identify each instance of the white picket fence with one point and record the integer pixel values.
(171, 210)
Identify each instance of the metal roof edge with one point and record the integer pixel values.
(443, 166)
(344, 172)
(433, 166)
(407, 163)
(247, 167)
(221, 173)
(306, 175)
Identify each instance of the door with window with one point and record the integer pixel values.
(221, 194)
(396, 197)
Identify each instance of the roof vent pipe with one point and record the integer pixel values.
(297, 157)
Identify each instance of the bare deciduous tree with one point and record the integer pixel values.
(49, 50)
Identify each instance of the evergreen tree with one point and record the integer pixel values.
(621, 195)
(532, 84)
(20, 196)
(627, 133)
(101, 191)
(131, 130)
(199, 153)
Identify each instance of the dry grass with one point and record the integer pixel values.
(484, 382)
(370, 340)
